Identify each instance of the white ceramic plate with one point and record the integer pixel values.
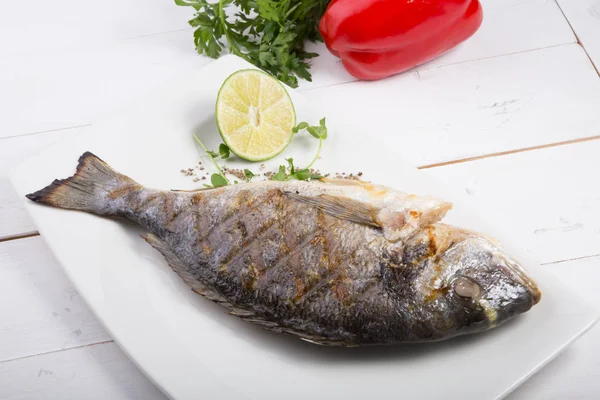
(190, 348)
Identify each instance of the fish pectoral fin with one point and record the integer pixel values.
(341, 207)
(398, 222)
(180, 268)
(401, 224)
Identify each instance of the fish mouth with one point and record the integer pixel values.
(515, 272)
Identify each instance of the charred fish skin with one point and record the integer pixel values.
(283, 262)
(333, 263)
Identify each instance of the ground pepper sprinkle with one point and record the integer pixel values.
(268, 175)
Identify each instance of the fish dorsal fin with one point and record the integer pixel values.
(341, 207)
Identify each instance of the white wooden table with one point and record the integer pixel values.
(513, 116)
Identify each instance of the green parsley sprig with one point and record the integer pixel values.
(304, 174)
(284, 173)
(249, 175)
(267, 33)
(318, 131)
(217, 179)
(223, 153)
(298, 174)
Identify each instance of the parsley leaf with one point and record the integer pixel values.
(224, 151)
(290, 164)
(319, 132)
(249, 174)
(281, 175)
(267, 33)
(218, 180)
(305, 174)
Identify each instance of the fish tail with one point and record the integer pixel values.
(94, 188)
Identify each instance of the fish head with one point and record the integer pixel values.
(468, 284)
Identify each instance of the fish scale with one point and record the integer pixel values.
(344, 263)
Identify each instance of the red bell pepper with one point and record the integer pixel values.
(379, 38)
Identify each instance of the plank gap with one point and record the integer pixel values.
(20, 236)
(571, 259)
(579, 42)
(45, 131)
(56, 351)
(422, 67)
(155, 34)
(496, 56)
(508, 152)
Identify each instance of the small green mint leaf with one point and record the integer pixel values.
(218, 180)
(281, 175)
(313, 130)
(249, 174)
(302, 174)
(323, 132)
(291, 164)
(300, 126)
(224, 151)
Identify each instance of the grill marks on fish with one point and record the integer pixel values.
(283, 259)
(249, 226)
(150, 208)
(294, 237)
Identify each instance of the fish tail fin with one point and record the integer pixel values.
(90, 189)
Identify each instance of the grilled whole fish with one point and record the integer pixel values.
(333, 262)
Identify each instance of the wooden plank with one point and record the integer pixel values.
(474, 108)
(543, 197)
(509, 26)
(41, 310)
(42, 27)
(15, 220)
(78, 88)
(584, 17)
(574, 374)
(99, 372)
(75, 88)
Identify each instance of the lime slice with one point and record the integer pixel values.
(255, 115)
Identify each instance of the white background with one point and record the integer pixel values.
(512, 116)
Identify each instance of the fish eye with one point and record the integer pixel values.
(466, 287)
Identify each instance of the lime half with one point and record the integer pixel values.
(255, 115)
